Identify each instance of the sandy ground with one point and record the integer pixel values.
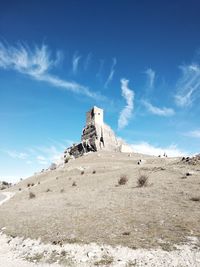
(158, 225)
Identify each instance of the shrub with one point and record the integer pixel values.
(195, 198)
(20, 189)
(48, 190)
(142, 180)
(62, 190)
(94, 172)
(74, 184)
(82, 172)
(31, 195)
(38, 182)
(123, 180)
(32, 184)
(28, 185)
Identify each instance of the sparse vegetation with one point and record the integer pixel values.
(142, 180)
(31, 195)
(126, 233)
(123, 179)
(74, 184)
(105, 261)
(195, 199)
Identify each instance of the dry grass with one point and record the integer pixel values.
(142, 180)
(123, 179)
(31, 195)
(74, 184)
(97, 211)
(195, 199)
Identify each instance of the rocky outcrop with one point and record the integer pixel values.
(96, 135)
(192, 160)
(4, 185)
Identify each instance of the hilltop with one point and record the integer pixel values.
(83, 202)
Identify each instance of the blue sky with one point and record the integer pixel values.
(139, 60)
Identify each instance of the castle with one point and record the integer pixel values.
(96, 136)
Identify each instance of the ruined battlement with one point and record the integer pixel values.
(96, 136)
(94, 116)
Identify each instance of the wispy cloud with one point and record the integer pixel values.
(37, 64)
(151, 77)
(41, 154)
(188, 86)
(15, 154)
(126, 113)
(158, 111)
(87, 61)
(195, 133)
(148, 149)
(75, 62)
(99, 73)
(111, 74)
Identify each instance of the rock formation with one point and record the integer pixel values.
(96, 135)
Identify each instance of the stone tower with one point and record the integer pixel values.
(95, 116)
(96, 135)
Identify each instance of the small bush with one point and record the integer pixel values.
(28, 185)
(62, 190)
(142, 180)
(48, 190)
(32, 184)
(195, 199)
(31, 195)
(38, 182)
(82, 172)
(94, 172)
(123, 180)
(74, 184)
(20, 189)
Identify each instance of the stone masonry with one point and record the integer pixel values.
(96, 136)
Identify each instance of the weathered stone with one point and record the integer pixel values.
(96, 136)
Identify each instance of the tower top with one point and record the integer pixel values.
(94, 116)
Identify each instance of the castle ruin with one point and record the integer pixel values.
(96, 136)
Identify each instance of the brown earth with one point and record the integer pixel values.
(99, 210)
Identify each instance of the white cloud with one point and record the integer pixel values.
(148, 149)
(158, 111)
(37, 63)
(42, 160)
(75, 62)
(87, 61)
(16, 155)
(188, 86)
(195, 134)
(99, 73)
(151, 77)
(126, 113)
(111, 74)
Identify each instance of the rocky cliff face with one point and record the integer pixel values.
(96, 135)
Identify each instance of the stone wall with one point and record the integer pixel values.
(96, 136)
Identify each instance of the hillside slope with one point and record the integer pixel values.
(98, 209)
